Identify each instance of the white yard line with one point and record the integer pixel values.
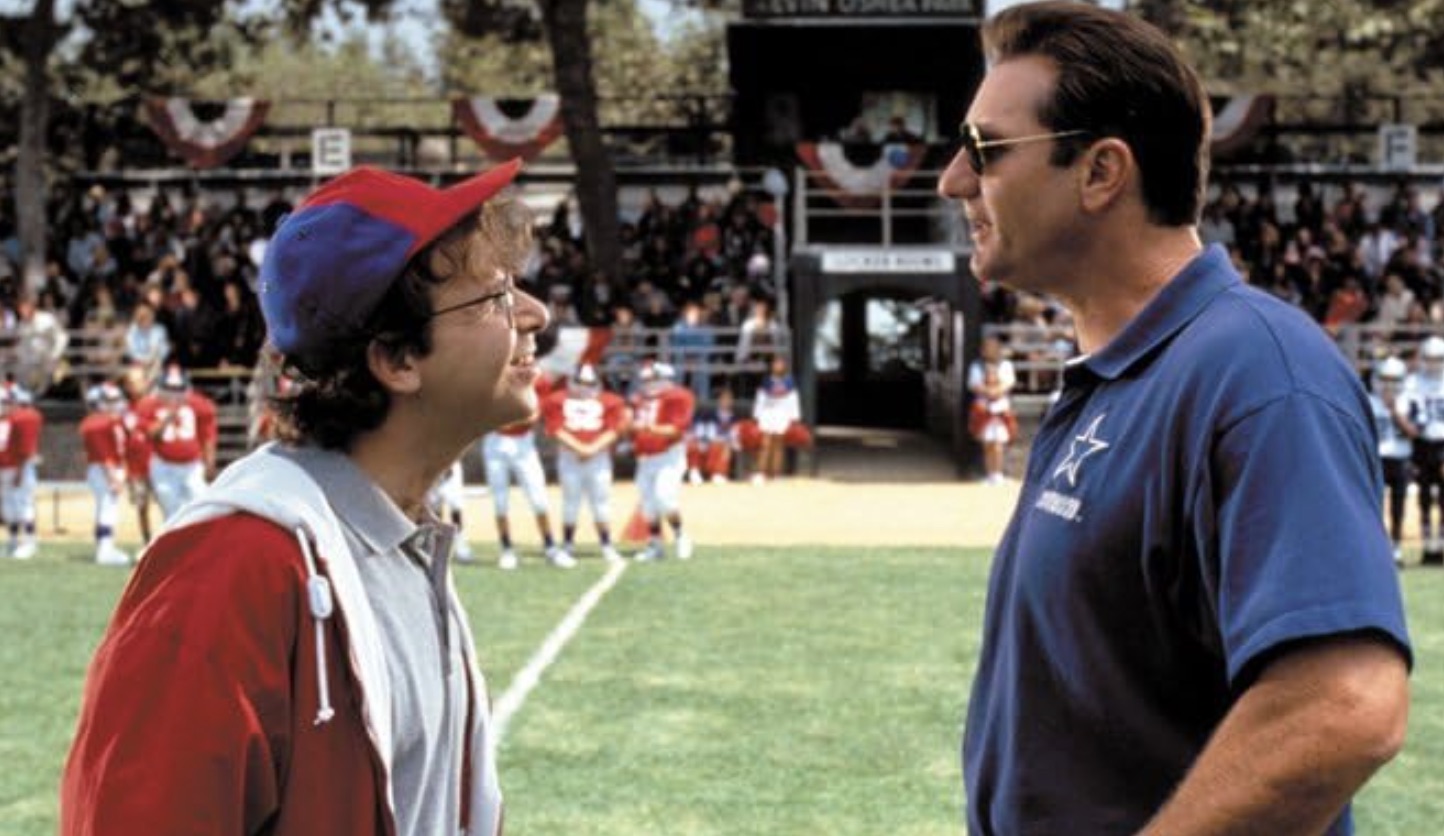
(527, 678)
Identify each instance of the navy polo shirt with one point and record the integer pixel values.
(1205, 490)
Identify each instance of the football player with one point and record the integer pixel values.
(102, 432)
(662, 416)
(511, 452)
(1421, 408)
(586, 421)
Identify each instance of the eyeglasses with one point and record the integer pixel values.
(506, 297)
(974, 144)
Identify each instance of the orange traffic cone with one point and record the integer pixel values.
(636, 530)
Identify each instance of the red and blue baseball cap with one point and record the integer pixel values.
(332, 259)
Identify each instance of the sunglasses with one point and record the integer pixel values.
(974, 145)
(506, 297)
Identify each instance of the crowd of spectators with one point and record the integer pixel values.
(175, 276)
(1344, 253)
(172, 281)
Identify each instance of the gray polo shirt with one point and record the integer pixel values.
(403, 567)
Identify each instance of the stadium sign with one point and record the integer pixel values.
(888, 261)
(855, 9)
(1398, 147)
(330, 151)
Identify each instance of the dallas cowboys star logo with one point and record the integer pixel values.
(1081, 447)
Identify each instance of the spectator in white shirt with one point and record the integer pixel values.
(147, 343)
(40, 342)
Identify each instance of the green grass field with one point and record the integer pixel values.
(750, 691)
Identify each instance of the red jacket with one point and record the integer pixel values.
(210, 659)
(201, 707)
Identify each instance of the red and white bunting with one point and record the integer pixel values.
(1240, 120)
(857, 186)
(503, 137)
(205, 144)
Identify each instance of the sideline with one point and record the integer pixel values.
(527, 678)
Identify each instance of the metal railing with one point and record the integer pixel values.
(906, 212)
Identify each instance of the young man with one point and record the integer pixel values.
(1194, 623)
(662, 415)
(586, 421)
(103, 434)
(290, 656)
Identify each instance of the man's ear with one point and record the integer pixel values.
(393, 367)
(1108, 172)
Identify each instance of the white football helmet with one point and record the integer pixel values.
(1391, 371)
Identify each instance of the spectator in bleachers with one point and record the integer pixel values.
(761, 335)
(40, 342)
(624, 351)
(147, 342)
(596, 300)
(239, 330)
(899, 132)
(1349, 212)
(1395, 301)
(1406, 213)
(654, 308)
(190, 328)
(691, 342)
(735, 307)
(1215, 227)
(1308, 208)
(559, 306)
(1376, 247)
(83, 252)
(97, 308)
(1347, 305)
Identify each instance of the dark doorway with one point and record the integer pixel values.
(871, 361)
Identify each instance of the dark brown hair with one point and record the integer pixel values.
(1118, 77)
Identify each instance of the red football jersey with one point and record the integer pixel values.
(5, 460)
(672, 407)
(103, 434)
(179, 431)
(25, 433)
(584, 418)
(207, 427)
(137, 443)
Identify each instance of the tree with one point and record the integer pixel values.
(32, 37)
(504, 43)
(1331, 61)
(126, 42)
(566, 27)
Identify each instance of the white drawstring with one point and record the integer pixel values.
(318, 595)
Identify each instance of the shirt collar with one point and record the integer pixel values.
(363, 508)
(1176, 304)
